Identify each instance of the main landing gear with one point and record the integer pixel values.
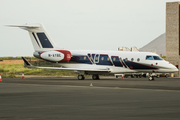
(81, 77)
(95, 77)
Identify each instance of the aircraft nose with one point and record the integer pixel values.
(174, 68)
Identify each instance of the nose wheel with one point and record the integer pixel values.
(81, 77)
(151, 78)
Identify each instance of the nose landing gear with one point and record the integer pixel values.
(151, 78)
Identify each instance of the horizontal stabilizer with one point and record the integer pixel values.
(28, 26)
(26, 62)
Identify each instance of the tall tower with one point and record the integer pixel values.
(173, 33)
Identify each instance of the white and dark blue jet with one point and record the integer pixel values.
(93, 62)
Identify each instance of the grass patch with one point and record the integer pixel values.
(11, 70)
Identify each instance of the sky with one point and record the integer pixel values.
(82, 24)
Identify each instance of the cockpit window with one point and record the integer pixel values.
(157, 58)
(149, 57)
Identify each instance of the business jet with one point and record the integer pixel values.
(93, 62)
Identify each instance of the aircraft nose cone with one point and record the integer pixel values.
(174, 69)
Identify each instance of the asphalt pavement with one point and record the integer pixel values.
(67, 98)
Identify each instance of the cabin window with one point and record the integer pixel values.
(157, 58)
(126, 59)
(138, 59)
(102, 58)
(114, 59)
(132, 59)
(80, 59)
(148, 57)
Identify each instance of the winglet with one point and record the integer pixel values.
(26, 62)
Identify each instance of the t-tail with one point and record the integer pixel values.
(40, 39)
(44, 46)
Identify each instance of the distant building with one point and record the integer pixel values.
(173, 33)
(133, 49)
(123, 49)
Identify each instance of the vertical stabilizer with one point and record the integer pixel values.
(40, 39)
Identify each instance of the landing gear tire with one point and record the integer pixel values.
(144, 75)
(81, 77)
(95, 77)
(132, 76)
(166, 75)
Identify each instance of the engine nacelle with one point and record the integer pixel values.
(55, 56)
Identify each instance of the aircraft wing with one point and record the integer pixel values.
(61, 68)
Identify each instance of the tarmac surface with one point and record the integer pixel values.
(71, 99)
